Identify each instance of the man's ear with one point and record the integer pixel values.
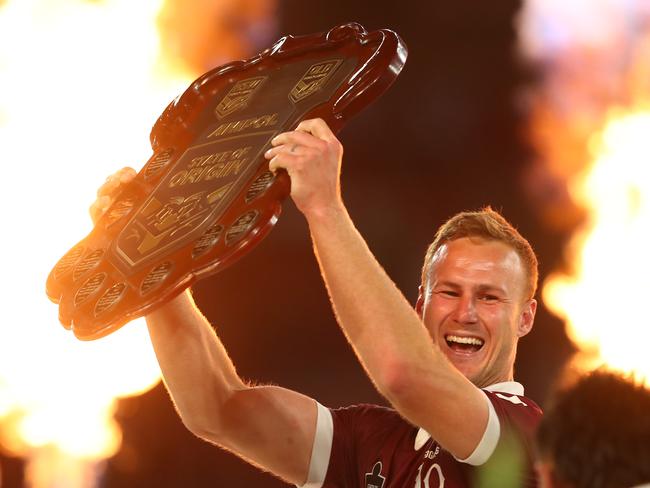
(527, 317)
(419, 304)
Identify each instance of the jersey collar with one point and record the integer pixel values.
(511, 387)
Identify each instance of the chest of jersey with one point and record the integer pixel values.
(402, 466)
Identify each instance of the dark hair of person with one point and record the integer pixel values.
(596, 433)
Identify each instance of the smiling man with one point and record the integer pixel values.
(476, 299)
(446, 367)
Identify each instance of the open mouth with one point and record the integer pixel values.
(464, 344)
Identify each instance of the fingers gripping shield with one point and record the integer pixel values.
(206, 197)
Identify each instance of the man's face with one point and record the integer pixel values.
(475, 309)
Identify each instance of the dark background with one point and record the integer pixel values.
(450, 135)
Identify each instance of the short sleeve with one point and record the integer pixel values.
(489, 441)
(321, 449)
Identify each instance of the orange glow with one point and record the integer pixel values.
(603, 301)
(590, 120)
(81, 84)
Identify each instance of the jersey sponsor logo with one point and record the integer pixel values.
(515, 400)
(432, 453)
(374, 479)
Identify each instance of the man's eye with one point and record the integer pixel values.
(449, 293)
(489, 298)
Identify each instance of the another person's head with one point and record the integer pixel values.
(596, 434)
(477, 294)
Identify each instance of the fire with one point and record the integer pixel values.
(590, 122)
(81, 84)
(604, 300)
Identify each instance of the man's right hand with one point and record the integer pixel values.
(311, 155)
(107, 193)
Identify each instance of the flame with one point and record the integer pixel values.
(590, 122)
(603, 301)
(81, 84)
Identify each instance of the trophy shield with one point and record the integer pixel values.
(206, 196)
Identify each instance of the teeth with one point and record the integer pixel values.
(464, 340)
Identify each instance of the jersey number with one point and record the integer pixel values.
(418, 480)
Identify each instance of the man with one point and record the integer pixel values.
(596, 434)
(476, 301)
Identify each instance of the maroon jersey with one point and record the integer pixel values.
(367, 446)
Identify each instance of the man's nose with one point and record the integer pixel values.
(465, 312)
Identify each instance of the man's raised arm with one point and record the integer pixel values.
(270, 427)
(386, 333)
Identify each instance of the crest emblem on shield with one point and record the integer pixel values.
(313, 80)
(239, 96)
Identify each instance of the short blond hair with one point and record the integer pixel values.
(489, 225)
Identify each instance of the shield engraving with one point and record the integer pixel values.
(239, 96)
(313, 80)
